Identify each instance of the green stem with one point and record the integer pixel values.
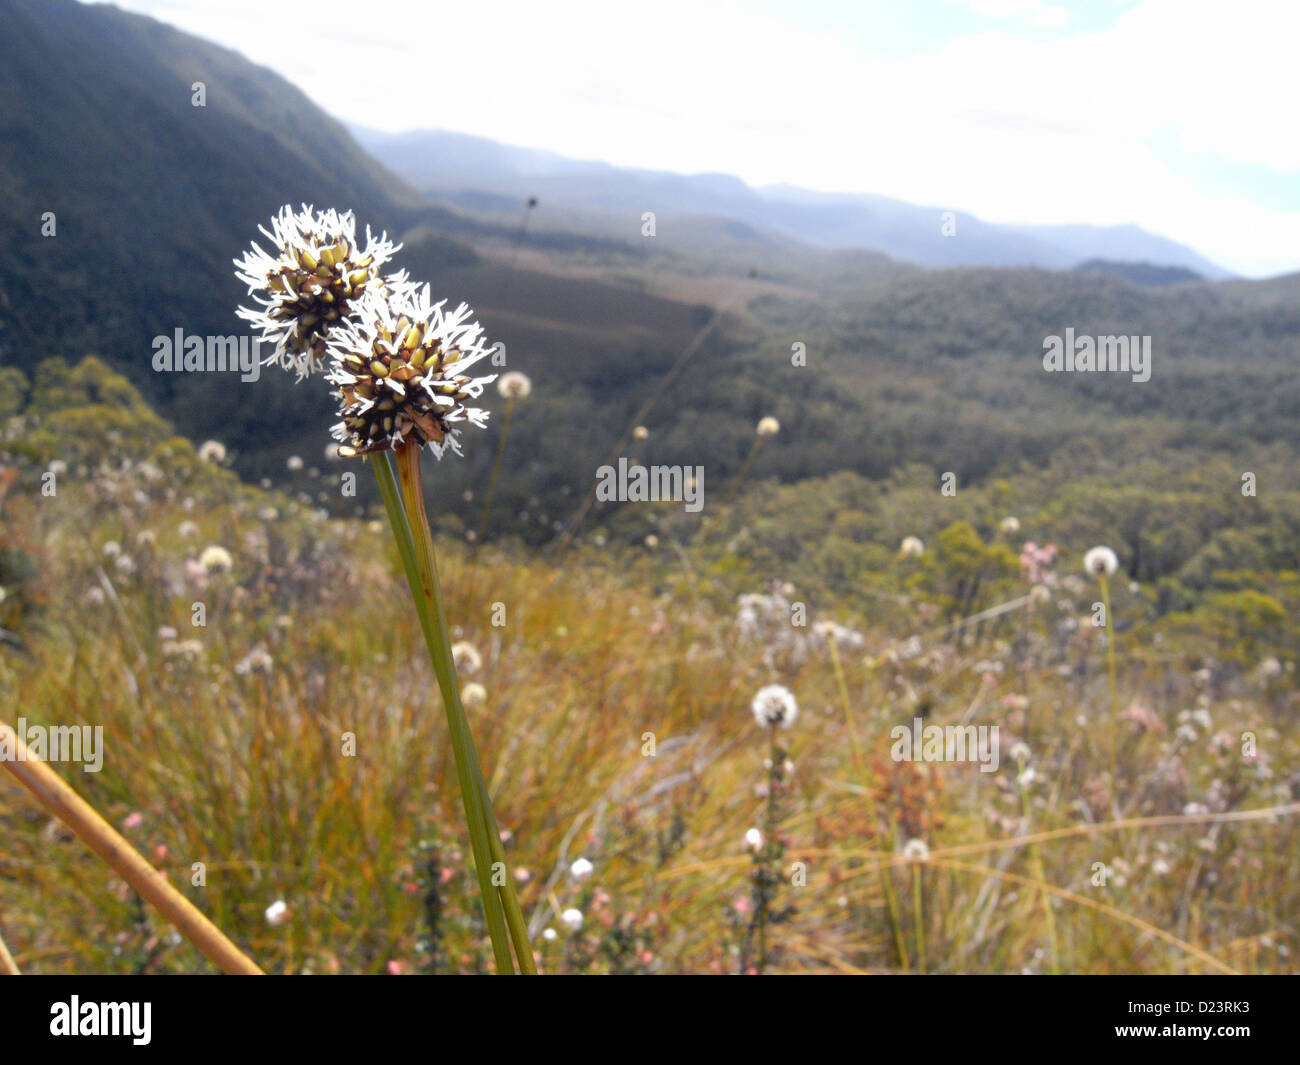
(1114, 690)
(920, 918)
(408, 468)
(1040, 871)
(705, 524)
(744, 468)
(496, 472)
(895, 918)
(427, 607)
(844, 698)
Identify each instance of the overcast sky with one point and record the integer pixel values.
(1178, 115)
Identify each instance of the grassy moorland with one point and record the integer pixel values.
(294, 743)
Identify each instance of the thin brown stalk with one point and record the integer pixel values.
(70, 808)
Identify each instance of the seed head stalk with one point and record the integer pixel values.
(406, 515)
(64, 803)
(844, 699)
(744, 468)
(891, 898)
(1114, 690)
(917, 895)
(496, 471)
(491, 494)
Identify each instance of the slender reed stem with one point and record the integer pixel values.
(8, 967)
(496, 472)
(1040, 872)
(1114, 690)
(706, 524)
(501, 905)
(70, 808)
(844, 698)
(920, 918)
(891, 900)
(744, 468)
(435, 637)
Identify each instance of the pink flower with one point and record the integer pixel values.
(1144, 718)
(1036, 561)
(133, 821)
(397, 967)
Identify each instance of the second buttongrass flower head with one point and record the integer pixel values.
(400, 365)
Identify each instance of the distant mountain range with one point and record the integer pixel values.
(461, 169)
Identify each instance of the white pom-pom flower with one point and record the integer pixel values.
(1100, 562)
(310, 280)
(514, 385)
(911, 547)
(775, 705)
(400, 366)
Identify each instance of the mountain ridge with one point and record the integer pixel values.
(440, 161)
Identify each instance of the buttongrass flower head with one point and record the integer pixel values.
(916, 850)
(212, 451)
(467, 657)
(310, 280)
(774, 705)
(1010, 526)
(1100, 562)
(215, 559)
(514, 385)
(580, 871)
(571, 919)
(400, 366)
(911, 547)
(768, 426)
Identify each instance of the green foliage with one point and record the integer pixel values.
(962, 573)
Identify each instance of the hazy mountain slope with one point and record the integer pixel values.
(453, 164)
(1125, 244)
(153, 197)
(1138, 272)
